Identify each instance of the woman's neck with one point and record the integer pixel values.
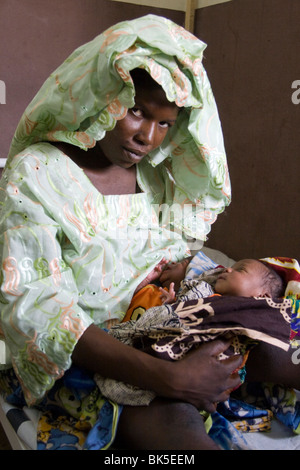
(107, 178)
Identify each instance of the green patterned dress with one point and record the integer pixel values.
(71, 256)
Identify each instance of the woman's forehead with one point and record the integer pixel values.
(155, 98)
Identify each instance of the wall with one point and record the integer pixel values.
(252, 59)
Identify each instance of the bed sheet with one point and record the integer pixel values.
(279, 438)
(21, 430)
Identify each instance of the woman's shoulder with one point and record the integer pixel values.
(44, 151)
(40, 158)
(44, 165)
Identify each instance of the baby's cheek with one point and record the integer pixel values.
(220, 287)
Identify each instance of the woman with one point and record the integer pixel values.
(80, 229)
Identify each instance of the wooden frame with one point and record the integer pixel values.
(188, 6)
(190, 15)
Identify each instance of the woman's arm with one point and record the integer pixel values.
(200, 378)
(40, 316)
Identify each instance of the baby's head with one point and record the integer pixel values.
(250, 278)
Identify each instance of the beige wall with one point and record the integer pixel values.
(252, 59)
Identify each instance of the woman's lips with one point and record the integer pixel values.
(134, 156)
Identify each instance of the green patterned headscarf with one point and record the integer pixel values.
(83, 98)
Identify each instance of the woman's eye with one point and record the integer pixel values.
(137, 112)
(164, 124)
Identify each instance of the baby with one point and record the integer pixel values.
(246, 278)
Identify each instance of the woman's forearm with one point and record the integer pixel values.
(97, 351)
(200, 378)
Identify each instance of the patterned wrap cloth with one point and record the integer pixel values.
(65, 257)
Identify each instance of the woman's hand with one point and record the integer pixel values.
(203, 380)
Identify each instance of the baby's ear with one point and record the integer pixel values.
(266, 294)
(263, 294)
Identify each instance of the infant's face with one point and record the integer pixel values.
(243, 279)
(174, 272)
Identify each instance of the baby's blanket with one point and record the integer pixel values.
(170, 331)
(289, 270)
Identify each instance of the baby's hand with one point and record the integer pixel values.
(168, 297)
(156, 272)
(153, 275)
(159, 267)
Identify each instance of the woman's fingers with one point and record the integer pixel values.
(206, 379)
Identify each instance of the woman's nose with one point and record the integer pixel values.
(147, 133)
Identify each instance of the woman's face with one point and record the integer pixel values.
(142, 130)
